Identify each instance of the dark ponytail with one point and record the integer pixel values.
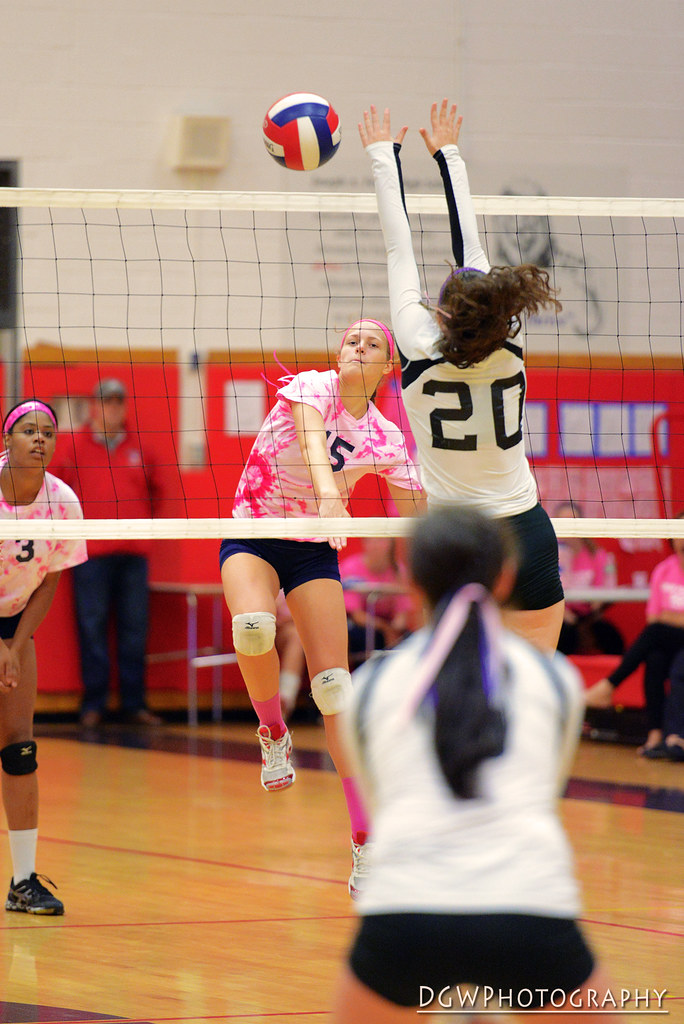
(469, 723)
(453, 549)
(480, 312)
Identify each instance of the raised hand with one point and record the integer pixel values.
(372, 130)
(445, 127)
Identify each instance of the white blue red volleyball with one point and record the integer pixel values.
(302, 131)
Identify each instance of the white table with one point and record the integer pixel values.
(213, 657)
(608, 595)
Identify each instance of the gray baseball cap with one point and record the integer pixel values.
(110, 387)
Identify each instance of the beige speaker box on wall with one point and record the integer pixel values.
(199, 143)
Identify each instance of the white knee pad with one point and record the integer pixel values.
(254, 633)
(332, 690)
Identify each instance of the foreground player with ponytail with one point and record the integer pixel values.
(464, 736)
(321, 437)
(462, 368)
(29, 571)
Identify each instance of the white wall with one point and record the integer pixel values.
(578, 98)
(584, 97)
(92, 85)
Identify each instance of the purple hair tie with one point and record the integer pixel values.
(457, 270)
(33, 405)
(443, 639)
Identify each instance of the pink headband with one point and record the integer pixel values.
(385, 330)
(21, 410)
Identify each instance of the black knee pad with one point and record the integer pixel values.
(19, 758)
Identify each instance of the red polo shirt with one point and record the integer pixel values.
(119, 482)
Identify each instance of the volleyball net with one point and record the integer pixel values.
(200, 301)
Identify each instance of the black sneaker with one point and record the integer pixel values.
(31, 897)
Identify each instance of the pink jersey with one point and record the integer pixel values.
(583, 569)
(354, 570)
(24, 564)
(667, 588)
(276, 480)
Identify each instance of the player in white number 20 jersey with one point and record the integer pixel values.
(462, 371)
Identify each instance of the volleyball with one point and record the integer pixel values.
(301, 131)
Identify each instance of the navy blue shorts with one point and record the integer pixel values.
(8, 626)
(538, 583)
(402, 956)
(295, 561)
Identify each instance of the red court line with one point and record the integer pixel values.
(287, 874)
(189, 860)
(632, 927)
(184, 924)
(194, 1016)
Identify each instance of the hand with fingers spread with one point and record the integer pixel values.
(372, 130)
(445, 127)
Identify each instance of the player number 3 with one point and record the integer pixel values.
(26, 551)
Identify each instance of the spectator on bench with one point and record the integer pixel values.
(583, 563)
(659, 647)
(389, 616)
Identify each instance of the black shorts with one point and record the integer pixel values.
(295, 561)
(402, 957)
(8, 626)
(538, 583)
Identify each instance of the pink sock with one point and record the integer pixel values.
(270, 713)
(357, 812)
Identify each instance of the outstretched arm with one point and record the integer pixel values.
(441, 142)
(415, 330)
(311, 435)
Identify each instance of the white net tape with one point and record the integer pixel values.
(371, 526)
(641, 296)
(338, 202)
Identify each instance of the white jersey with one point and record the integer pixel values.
(502, 852)
(25, 563)
(467, 423)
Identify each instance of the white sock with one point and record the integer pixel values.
(23, 845)
(289, 686)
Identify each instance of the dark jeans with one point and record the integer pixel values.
(105, 586)
(357, 641)
(660, 648)
(590, 635)
(674, 706)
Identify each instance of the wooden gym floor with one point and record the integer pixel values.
(194, 896)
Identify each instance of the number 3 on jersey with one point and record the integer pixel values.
(461, 391)
(26, 550)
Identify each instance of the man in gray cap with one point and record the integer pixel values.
(115, 477)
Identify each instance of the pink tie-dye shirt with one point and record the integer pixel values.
(666, 588)
(25, 563)
(276, 480)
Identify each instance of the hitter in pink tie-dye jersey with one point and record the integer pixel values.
(278, 482)
(323, 435)
(29, 574)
